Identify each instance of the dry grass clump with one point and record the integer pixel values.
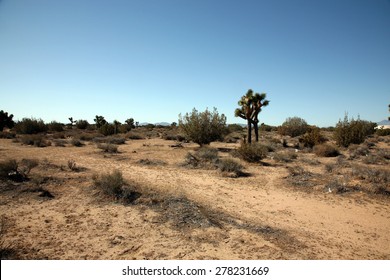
(11, 169)
(378, 179)
(110, 140)
(60, 142)
(7, 168)
(114, 186)
(134, 136)
(76, 143)
(108, 148)
(6, 251)
(205, 157)
(326, 150)
(288, 156)
(300, 177)
(232, 166)
(35, 140)
(7, 135)
(151, 162)
(358, 150)
(252, 152)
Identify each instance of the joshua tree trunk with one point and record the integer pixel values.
(249, 131)
(256, 126)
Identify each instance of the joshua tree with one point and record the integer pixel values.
(5, 120)
(100, 121)
(259, 102)
(251, 105)
(130, 123)
(116, 126)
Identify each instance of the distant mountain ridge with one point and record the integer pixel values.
(384, 122)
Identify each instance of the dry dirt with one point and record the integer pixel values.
(202, 215)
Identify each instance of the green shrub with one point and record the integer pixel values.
(55, 126)
(349, 132)
(266, 127)
(107, 129)
(383, 132)
(30, 126)
(234, 128)
(312, 137)
(252, 152)
(326, 150)
(203, 127)
(293, 127)
(82, 124)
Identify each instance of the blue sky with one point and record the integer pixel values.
(154, 59)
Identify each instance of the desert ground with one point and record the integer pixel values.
(270, 212)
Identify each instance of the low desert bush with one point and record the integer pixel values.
(371, 174)
(55, 126)
(235, 128)
(173, 136)
(8, 167)
(30, 126)
(373, 159)
(89, 136)
(114, 186)
(134, 136)
(107, 129)
(285, 156)
(293, 127)
(312, 137)
(383, 132)
(26, 165)
(252, 152)
(35, 140)
(6, 250)
(358, 150)
(326, 150)
(111, 184)
(72, 165)
(82, 124)
(60, 142)
(7, 135)
(352, 131)
(205, 157)
(116, 140)
(108, 148)
(76, 143)
(11, 169)
(207, 154)
(230, 165)
(151, 162)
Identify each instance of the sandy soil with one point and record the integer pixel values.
(204, 215)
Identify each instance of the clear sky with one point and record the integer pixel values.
(154, 59)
